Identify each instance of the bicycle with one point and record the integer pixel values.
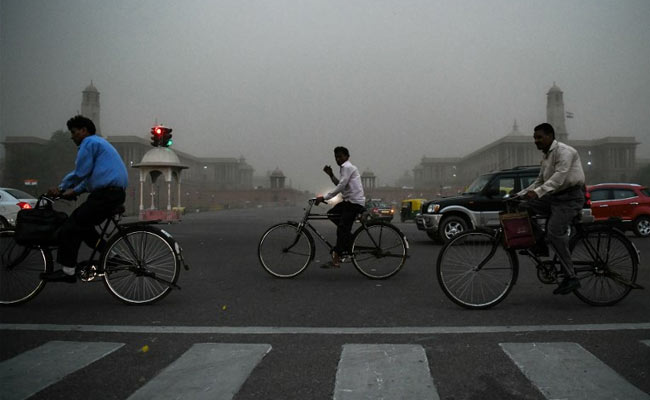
(139, 264)
(477, 271)
(379, 249)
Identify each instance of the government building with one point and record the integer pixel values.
(199, 183)
(608, 159)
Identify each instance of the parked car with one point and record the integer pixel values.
(628, 202)
(410, 208)
(479, 206)
(378, 210)
(12, 201)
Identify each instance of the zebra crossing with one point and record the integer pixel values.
(559, 370)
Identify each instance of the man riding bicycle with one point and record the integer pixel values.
(344, 213)
(558, 192)
(100, 171)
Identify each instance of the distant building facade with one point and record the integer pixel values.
(207, 182)
(608, 159)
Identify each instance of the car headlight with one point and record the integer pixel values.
(433, 208)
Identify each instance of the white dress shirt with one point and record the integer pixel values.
(561, 169)
(349, 185)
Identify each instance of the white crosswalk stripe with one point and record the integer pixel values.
(365, 371)
(34, 370)
(568, 371)
(205, 371)
(384, 371)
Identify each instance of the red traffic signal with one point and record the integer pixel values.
(156, 133)
(161, 136)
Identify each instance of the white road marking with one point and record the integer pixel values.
(206, 371)
(384, 371)
(36, 369)
(271, 330)
(568, 371)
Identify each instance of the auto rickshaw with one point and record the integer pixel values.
(410, 207)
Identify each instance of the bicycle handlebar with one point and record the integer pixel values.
(45, 198)
(313, 201)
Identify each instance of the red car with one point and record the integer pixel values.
(628, 201)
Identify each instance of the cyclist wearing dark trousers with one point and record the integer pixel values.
(558, 192)
(99, 170)
(344, 213)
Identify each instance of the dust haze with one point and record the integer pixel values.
(283, 82)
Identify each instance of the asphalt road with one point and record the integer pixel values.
(309, 321)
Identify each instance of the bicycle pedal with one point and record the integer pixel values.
(89, 273)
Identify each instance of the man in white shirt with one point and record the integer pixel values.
(344, 213)
(558, 192)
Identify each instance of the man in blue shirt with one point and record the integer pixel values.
(99, 170)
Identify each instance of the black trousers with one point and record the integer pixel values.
(561, 209)
(80, 226)
(343, 215)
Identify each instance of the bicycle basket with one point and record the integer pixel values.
(517, 230)
(38, 225)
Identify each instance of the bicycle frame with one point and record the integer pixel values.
(579, 266)
(311, 216)
(93, 268)
(305, 223)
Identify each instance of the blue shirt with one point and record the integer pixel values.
(98, 165)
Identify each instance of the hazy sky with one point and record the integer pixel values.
(283, 82)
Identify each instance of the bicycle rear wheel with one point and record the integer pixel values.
(605, 261)
(467, 286)
(140, 266)
(379, 250)
(20, 269)
(285, 250)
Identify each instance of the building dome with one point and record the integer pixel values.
(160, 157)
(277, 173)
(554, 89)
(91, 88)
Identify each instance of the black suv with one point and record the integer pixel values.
(478, 207)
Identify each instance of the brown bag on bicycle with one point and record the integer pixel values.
(38, 225)
(517, 230)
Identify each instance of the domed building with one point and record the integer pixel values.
(606, 159)
(277, 179)
(160, 162)
(208, 183)
(368, 180)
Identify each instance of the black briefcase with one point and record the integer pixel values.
(38, 225)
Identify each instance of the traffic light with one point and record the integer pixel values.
(166, 137)
(161, 136)
(156, 136)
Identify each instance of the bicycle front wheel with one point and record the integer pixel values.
(378, 250)
(475, 271)
(140, 266)
(285, 250)
(20, 269)
(605, 261)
